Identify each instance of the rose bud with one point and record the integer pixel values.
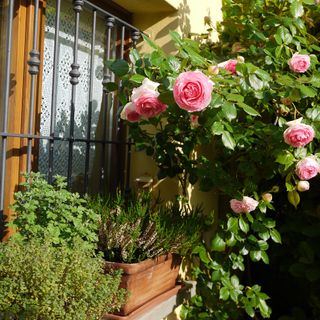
(303, 186)
(267, 197)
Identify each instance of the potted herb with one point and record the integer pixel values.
(145, 240)
(50, 268)
(39, 280)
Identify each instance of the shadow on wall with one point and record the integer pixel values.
(184, 18)
(180, 22)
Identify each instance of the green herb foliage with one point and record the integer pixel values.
(39, 281)
(135, 229)
(51, 210)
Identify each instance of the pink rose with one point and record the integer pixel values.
(245, 205)
(148, 105)
(303, 186)
(307, 168)
(129, 113)
(147, 86)
(231, 66)
(298, 135)
(192, 91)
(194, 121)
(299, 63)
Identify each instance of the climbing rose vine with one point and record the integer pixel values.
(240, 116)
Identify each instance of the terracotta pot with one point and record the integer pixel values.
(147, 279)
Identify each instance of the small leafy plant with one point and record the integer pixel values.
(41, 281)
(137, 229)
(51, 210)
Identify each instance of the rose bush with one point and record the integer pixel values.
(247, 109)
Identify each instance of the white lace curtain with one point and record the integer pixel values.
(62, 121)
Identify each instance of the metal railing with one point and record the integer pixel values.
(117, 30)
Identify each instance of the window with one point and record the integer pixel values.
(57, 117)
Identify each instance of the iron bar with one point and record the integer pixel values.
(40, 137)
(135, 37)
(106, 78)
(6, 96)
(74, 80)
(54, 88)
(86, 174)
(123, 33)
(34, 63)
(119, 131)
(111, 110)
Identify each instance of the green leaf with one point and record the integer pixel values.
(307, 91)
(218, 244)
(294, 198)
(232, 224)
(244, 226)
(234, 97)
(229, 111)
(150, 42)
(296, 9)
(275, 235)
(255, 255)
(278, 51)
(202, 252)
(315, 79)
(174, 63)
(119, 67)
(224, 293)
(263, 245)
(195, 57)
(217, 101)
(217, 128)
(175, 36)
(313, 114)
(111, 86)
(137, 78)
(216, 275)
(264, 257)
(249, 310)
(255, 82)
(284, 34)
(285, 158)
(264, 308)
(134, 56)
(285, 80)
(227, 140)
(249, 110)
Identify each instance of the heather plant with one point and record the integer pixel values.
(48, 210)
(139, 228)
(41, 281)
(252, 98)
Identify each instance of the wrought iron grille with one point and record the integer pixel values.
(114, 155)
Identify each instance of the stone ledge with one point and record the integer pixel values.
(161, 306)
